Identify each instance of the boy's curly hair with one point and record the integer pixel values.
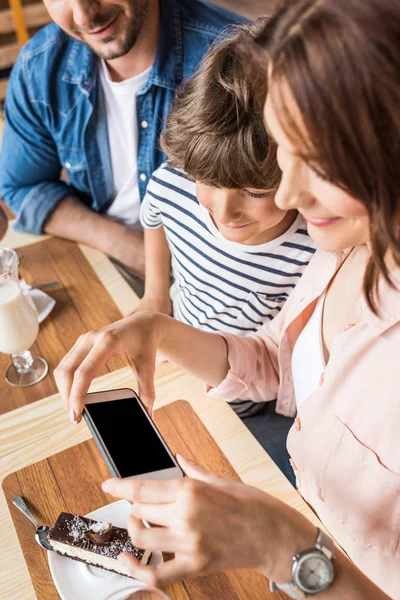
(215, 130)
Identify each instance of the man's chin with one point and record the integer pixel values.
(108, 49)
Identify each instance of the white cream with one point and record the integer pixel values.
(97, 560)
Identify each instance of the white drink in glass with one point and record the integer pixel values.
(18, 321)
(18, 326)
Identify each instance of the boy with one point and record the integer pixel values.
(210, 213)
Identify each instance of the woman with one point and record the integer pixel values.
(332, 107)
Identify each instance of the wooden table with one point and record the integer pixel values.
(72, 480)
(82, 303)
(38, 429)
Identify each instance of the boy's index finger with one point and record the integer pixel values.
(145, 491)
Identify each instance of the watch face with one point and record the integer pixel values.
(314, 572)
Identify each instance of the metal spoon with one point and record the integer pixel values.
(46, 286)
(42, 531)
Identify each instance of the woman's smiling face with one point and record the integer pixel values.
(335, 220)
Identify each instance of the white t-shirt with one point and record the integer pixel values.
(221, 285)
(308, 363)
(122, 125)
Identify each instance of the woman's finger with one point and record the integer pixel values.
(163, 574)
(194, 471)
(101, 352)
(158, 514)
(145, 369)
(137, 490)
(155, 538)
(64, 372)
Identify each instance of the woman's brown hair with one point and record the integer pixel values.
(341, 62)
(215, 130)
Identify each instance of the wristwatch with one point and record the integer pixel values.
(312, 570)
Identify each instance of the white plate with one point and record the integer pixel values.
(44, 303)
(41, 302)
(77, 581)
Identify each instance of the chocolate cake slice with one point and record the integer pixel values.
(94, 542)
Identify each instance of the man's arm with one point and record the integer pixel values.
(29, 163)
(30, 184)
(3, 223)
(73, 220)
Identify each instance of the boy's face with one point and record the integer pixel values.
(247, 216)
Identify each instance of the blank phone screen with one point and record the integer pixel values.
(129, 437)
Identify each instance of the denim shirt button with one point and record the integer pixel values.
(143, 177)
(144, 124)
(68, 165)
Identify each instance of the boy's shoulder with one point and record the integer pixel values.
(169, 175)
(172, 187)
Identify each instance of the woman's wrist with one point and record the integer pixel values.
(163, 326)
(201, 353)
(293, 533)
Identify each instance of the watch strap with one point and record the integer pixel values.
(325, 544)
(290, 588)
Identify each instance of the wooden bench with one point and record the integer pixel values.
(15, 22)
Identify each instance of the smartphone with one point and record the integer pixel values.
(127, 438)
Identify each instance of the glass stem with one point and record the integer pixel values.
(22, 361)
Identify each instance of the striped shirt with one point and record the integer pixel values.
(219, 285)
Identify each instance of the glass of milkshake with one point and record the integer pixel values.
(18, 326)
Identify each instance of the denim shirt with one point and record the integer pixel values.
(55, 113)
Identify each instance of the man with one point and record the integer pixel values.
(3, 222)
(90, 94)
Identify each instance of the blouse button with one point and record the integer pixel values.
(297, 424)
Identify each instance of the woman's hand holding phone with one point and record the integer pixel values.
(211, 524)
(136, 339)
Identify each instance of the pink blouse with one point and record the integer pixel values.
(345, 443)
